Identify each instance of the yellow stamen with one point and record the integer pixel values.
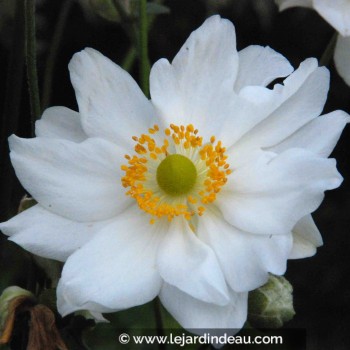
(140, 177)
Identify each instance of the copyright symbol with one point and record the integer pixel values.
(124, 338)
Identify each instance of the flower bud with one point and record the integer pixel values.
(271, 305)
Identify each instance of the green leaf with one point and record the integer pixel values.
(106, 9)
(157, 9)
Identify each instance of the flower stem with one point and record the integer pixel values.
(159, 321)
(129, 58)
(329, 51)
(30, 54)
(11, 111)
(52, 55)
(143, 47)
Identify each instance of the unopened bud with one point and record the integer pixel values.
(271, 305)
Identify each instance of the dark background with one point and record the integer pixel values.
(321, 292)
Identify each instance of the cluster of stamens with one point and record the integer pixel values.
(140, 176)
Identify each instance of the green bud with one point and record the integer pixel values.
(271, 305)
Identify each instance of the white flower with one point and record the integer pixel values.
(194, 195)
(337, 14)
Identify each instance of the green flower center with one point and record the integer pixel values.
(176, 175)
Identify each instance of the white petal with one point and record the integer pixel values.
(198, 316)
(198, 84)
(79, 181)
(306, 238)
(190, 265)
(342, 57)
(48, 235)
(319, 136)
(335, 12)
(60, 123)
(285, 4)
(302, 248)
(300, 100)
(111, 104)
(271, 195)
(260, 65)
(263, 117)
(245, 110)
(115, 270)
(245, 258)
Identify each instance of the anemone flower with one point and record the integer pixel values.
(193, 196)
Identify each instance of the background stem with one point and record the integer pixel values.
(129, 59)
(143, 48)
(30, 54)
(329, 51)
(52, 55)
(159, 321)
(10, 116)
